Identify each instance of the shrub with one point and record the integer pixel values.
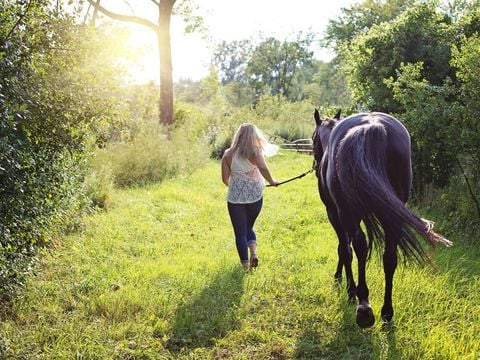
(155, 153)
(455, 205)
(49, 100)
(97, 186)
(39, 195)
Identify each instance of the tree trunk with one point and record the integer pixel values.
(165, 54)
(162, 29)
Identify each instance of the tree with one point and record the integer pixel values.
(231, 59)
(466, 59)
(327, 86)
(162, 30)
(275, 65)
(421, 33)
(359, 18)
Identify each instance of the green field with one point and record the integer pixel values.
(158, 277)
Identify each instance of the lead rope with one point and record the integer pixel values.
(314, 167)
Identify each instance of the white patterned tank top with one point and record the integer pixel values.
(246, 182)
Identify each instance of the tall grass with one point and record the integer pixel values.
(158, 277)
(152, 153)
(145, 152)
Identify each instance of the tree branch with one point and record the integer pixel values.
(472, 194)
(85, 18)
(18, 21)
(127, 18)
(156, 2)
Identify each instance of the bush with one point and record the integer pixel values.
(40, 195)
(154, 153)
(456, 207)
(50, 100)
(98, 185)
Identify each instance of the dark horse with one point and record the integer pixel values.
(364, 174)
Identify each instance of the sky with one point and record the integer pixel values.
(225, 20)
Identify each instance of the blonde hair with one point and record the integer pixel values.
(249, 142)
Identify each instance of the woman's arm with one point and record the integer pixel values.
(226, 163)
(259, 160)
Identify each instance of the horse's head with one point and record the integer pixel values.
(322, 133)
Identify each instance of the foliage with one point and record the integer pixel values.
(357, 19)
(98, 186)
(288, 120)
(164, 9)
(158, 276)
(238, 94)
(270, 67)
(328, 86)
(152, 154)
(418, 34)
(466, 59)
(453, 203)
(275, 66)
(432, 122)
(231, 59)
(421, 67)
(49, 105)
(189, 10)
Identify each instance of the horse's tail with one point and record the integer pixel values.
(362, 172)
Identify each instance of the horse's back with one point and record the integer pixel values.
(393, 147)
(396, 132)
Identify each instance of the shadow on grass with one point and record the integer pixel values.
(345, 340)
(210, 315)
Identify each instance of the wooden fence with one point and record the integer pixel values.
(304, 146)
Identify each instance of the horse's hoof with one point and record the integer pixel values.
(387, 317)
(352, 298)
(387, 314)
(365, 317)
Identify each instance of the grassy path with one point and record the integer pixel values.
(157, 277)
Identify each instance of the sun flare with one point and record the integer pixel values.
(189, 55)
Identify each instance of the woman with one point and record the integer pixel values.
(243, 171)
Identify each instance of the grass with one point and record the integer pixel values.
(158, 277)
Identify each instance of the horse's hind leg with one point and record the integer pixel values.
(338, 273)
(365, 317)
(344, 253)
(389, 266)
(345, 259)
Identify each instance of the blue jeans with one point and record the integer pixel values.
(243, 217)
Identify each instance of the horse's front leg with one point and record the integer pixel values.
(365, 317)
(389, 266)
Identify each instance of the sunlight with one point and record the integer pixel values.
(145, 67)
(189, 55)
